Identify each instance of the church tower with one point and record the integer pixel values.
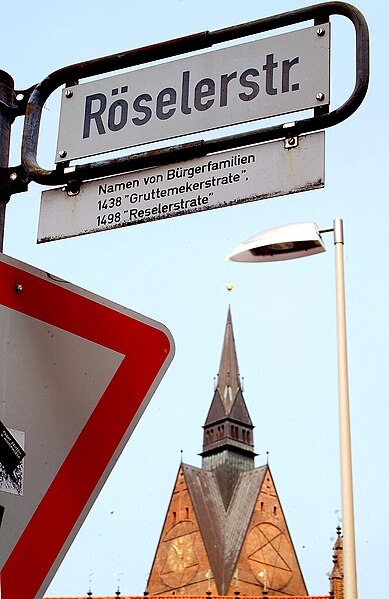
(228, 431)
(336, 578)
(225, 532)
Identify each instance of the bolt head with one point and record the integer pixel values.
(18, 288)
(68, 93)
(13, 176)
(320, 97)
(62, 153)
(19, 97)
(320, 32)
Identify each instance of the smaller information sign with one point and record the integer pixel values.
(224, 179)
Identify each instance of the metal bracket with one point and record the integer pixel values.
(72, 185)
(18, 104)
(13, 103)
(291, 142)
(14, 179)
(320, 13)
(21, 100)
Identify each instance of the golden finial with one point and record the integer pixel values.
(229, 286)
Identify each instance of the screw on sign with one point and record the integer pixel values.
(77, 364)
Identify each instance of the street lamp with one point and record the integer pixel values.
(296, 241)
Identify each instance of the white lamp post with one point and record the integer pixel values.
(295, 241)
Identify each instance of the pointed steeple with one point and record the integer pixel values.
(228, 379)
(228, 430)
(336, 578)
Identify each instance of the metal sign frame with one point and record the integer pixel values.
(64, 174)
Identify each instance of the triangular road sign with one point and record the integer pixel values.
(77, 372)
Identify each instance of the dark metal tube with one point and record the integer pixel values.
(6, 119)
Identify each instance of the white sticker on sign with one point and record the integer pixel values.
(13, 482)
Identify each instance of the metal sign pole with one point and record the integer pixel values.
(6, 119)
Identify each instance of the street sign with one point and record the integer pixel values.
(77, 373)
(224, 179)
(237, 84)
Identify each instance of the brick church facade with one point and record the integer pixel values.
(225, 532)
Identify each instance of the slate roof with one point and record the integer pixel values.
(223, 530)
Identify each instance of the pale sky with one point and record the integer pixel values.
(175, 272)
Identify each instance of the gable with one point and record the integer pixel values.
(180, 561)
(239, 410)
(268, 549)
(216, 410)
(203, 546)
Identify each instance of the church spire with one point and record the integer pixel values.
(336, 578)
(228, 379)
(228, 430)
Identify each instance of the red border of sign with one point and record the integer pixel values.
(145, 349)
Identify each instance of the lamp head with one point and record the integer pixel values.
(280, 243)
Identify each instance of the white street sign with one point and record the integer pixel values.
(255, 80)
(218, 180)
